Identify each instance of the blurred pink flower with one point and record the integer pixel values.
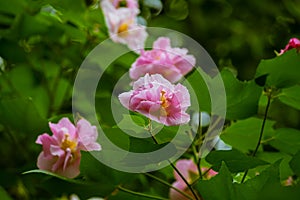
(289, 181)
(123, 27)
(158, 99)
(61, 151)
(294, 43)
(172, 63)
(132, 4)
(189, 171)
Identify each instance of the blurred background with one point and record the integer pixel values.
(43, 43)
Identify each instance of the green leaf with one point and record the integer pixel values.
(235, 160)
(177, 9)
(282, 70)
(134, 124)
(54, 175)
(272, 157)
(59, 185)
(144, 146)
(218, 187)
(199, 86)
(295, 163)
(286, 140)
(290, 96)
(4, 195)
(242, 97)
(22, 115)
(250, 189)
(243, 135)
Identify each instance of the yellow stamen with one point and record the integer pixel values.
(164, 104)
(123, 27)
(67, 143)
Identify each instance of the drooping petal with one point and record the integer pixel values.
(88, 135)
(46, 140)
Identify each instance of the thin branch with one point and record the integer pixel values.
(169, 185)
(140, 194)
(172, 165)
(260, 134)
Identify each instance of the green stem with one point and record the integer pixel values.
(140, 194)
(260, 134)
(169, 185)
(201, 136)
(172, 165)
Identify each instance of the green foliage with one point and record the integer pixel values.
(243, 135)
(295, 163)
(242, 97)
(290, 96)
(281, 71)
(44, 42)
(235, 160)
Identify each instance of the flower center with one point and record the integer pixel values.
(164, 104)
(67, 143)
(123, 27)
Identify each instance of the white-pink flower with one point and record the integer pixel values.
(190, 172)
(158, 99)
(172, 63)
(61, 151)
(123, 27)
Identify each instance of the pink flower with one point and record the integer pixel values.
(294, 43)
(172, 63)
(132, 4)
(189, 171)
(158, 99)
(61, 151)
(123, 27)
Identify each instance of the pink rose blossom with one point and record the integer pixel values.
(123, 27)
(294, 43)
(172, 63)
(61, 151)
(158, 99)
(189, 171)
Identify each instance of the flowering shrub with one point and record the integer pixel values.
(168, 101)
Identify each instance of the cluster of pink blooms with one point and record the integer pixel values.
(190, 172)
(294, 43)
(61, 151)
(154, 93)
(121, 20)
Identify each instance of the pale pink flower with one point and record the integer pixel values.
(172, 63)
(61, 151)
(158, 99)
(190, 172)
(294, 43)
(123, 27)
